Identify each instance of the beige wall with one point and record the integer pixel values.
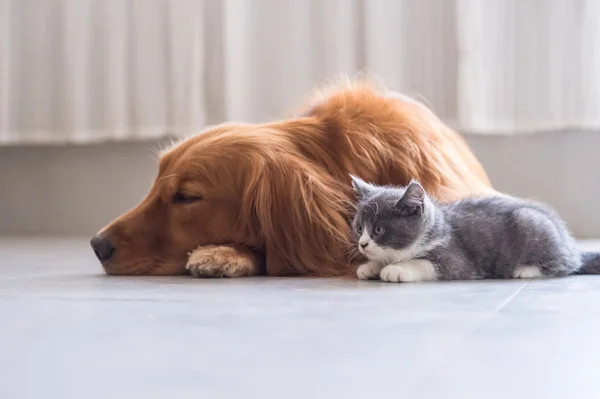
(77, 189)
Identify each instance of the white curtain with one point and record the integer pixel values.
(95, 70)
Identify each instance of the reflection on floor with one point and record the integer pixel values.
(68, 331)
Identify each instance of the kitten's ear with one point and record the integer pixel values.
(413, 200)
(362, 188)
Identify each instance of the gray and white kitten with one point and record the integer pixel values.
(408, 237)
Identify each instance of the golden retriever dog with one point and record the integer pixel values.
(276, 198)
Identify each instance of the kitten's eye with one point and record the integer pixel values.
(359, 229)
(378, 230)
(181, 198)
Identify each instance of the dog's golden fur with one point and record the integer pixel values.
(276, 197)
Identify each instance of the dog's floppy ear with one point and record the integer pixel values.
(299, 212)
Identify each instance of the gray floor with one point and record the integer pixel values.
(68, 331)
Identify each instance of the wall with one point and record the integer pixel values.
(77, 189)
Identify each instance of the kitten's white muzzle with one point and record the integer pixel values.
(364, 242)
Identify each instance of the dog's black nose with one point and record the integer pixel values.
(103, 248)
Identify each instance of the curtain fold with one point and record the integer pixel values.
(97, 70)
(528, 65)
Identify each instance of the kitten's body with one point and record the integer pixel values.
(408, 237)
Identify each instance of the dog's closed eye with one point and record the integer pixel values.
(182, 198)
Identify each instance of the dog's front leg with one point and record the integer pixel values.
(224, 261)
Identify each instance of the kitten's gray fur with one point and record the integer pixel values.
(476, 238)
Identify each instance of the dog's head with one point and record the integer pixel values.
(250, 185)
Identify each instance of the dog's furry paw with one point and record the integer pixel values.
(221, 261)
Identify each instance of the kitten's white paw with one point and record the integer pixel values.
(368, 271)
(398, 273)
(527, 272)
(409, 272)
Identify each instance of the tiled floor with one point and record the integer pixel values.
(68, 331)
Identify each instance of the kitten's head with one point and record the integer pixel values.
(389, 219)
